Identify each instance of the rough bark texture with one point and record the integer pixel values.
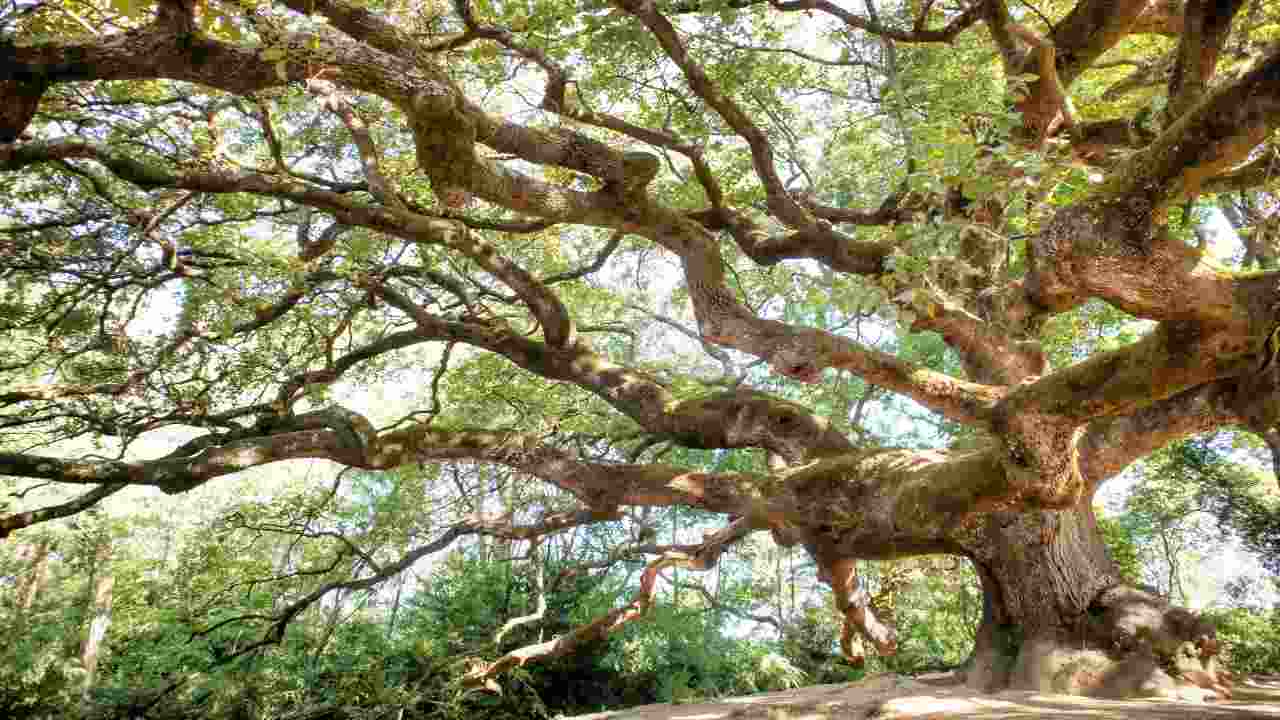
(1017, 503)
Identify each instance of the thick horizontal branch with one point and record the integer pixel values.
(180, 474)
(27, 393)
(158, 51)
(601, 486)
(890, 501)
(1111, 444)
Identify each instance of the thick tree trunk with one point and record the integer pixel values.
(1057, 619)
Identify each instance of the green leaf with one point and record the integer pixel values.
(130, 8)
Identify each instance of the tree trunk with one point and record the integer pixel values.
(98, 615)
(31, 583)
(1056, 618)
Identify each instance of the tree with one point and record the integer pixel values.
(928, 197)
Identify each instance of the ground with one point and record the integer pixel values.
(892, 697)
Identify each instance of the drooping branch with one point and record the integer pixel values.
(179, 474)
(854, 605)
(703, 558)
(27, 518)
(889, 501)
(279, 621)
(345, 437)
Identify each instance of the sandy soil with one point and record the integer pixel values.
(890, 697)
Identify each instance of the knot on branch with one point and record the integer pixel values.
(444, 136)
(1042, 461)
(798, 364)
(433, 101)
(638, 169)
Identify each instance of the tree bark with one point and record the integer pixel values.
(1055, 614)
(1056, 617)
(98, 612)
(31, 583)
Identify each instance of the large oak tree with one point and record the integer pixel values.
(322, 188)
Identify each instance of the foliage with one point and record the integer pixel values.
(353, 353)
(1240, 500)
(1251, 638)
(936, 610)
(1122, 544)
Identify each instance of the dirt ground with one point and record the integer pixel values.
(890, 697)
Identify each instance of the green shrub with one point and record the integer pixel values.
(1250, 638)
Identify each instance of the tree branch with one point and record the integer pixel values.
(703, 558)
(20, 520)
(918, 34)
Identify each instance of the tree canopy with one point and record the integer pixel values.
(882, 279)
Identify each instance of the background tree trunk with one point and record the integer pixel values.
(36, 557)
(98, 611)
